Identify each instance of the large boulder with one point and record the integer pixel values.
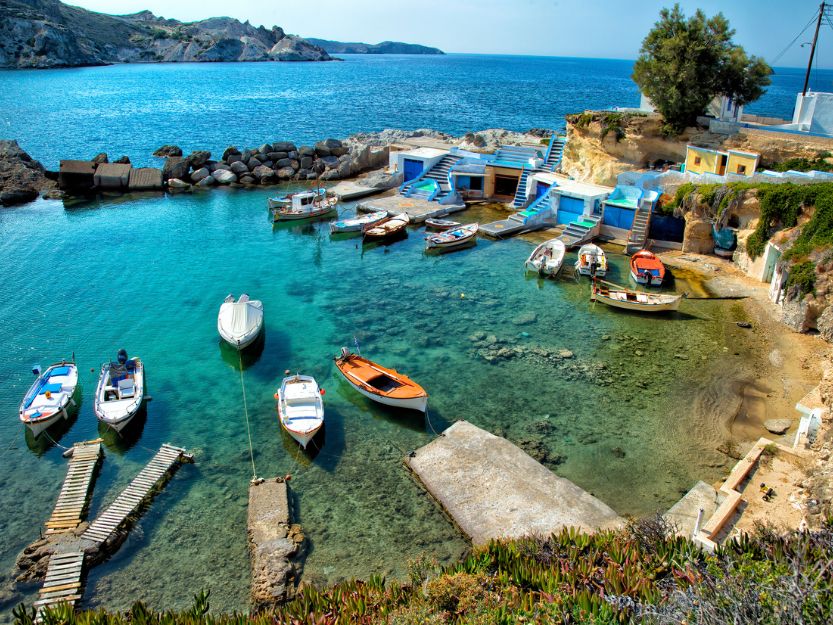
(218, 166)
(283, 146)
(260, 172)
(168, 150)
(697, 238)
(254, 163)
(285, 173)
(175, 167)
(100, 158)
(265, 148)
(122, 160)
(224, 177)
(284, 162)
(208, 181)
(239, 167)
(824, 324)
(21, 177)
(276, 156)
(176, 183)
(306, 150)
(201, 173)
(198, 158)
(247, 180)
(230, 151)
(306, 162)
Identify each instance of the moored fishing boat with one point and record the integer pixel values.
(300, 407)
(591, 260)
(383, 385)
(647, 268)
(305, 206)
(620, 297)
(121, 389)
(240, 322)
(451, 239)
(50, 397)
(547, 258)
(357, 223)
(388, 228)
(441, 224)
(284, 201)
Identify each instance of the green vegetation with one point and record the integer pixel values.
(684, 63)
(803, 275)
(642, 574)
(819, 163)
(610, 121)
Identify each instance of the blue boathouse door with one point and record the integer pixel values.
(569, 209)
(412, 168)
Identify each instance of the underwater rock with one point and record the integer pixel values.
(525, 318)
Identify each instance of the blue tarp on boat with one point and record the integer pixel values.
(725, 238)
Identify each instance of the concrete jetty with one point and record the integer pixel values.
(492, 489)
(273, 541)
(418, 210)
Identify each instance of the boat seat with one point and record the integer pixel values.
(126, 388)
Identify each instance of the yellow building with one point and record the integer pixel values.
(705, 161)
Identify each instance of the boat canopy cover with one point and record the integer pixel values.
(244, 316)
(724, 238)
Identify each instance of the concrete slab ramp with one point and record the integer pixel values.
(493, 489)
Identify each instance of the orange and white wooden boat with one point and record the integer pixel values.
(386, 386)
(647, 269)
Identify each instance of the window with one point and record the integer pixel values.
(696, 160)
(476, 183)
(741, 169)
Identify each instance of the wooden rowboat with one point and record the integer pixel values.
(452, 238)
(441, 224)
(383, 385)
(386, 229)
(647, 269)
(620, 297)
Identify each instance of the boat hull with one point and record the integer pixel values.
(419, 404)
(547, 259)
(119, 416)
(314, 415)
(39, 426)
(239, 341)
(635, 301)
(38, 417)
(280, 216)
(391, 388)
(644, 280)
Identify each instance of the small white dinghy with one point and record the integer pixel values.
(240, 322)
(547, 258)
(120, 392)
(355, 224)
(591, 261)
(300, 407)
(49, 397)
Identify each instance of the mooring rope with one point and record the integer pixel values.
(246, 412)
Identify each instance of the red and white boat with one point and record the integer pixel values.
(647, 269)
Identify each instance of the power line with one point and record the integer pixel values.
(790, 44)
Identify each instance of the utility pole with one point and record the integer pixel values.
(813, 49)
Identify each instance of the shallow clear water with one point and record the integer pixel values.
(133, 109)
(148, 274)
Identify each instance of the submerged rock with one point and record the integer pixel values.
(168, 150)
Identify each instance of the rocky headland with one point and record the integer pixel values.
(48, 33)
(385, 47)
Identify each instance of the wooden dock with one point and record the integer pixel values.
(129, 501)
(62, 583)
(73, 500)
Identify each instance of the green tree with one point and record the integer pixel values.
(685, 62)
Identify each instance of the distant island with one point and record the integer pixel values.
(48, 33)
(386, 47)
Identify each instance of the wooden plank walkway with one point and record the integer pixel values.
(62, 583)
(73, 500)
(131, 498)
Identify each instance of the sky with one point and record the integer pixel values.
(586, 28)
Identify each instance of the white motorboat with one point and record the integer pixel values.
(620, 297)
(591, 261)
(50, 397)
(305, 206)
(449, 239)
(547, 258)
(300, 407)
(285, 201)
(121, 389)
(240, 322)
(356, 224)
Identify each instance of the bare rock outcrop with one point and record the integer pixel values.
(21, 177)
(49, 33)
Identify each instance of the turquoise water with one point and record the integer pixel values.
(149, 273)
(133, 109)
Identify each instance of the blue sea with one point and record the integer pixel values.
(632, 417)
(133, 109)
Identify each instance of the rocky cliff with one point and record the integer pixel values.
(386, 47)
(48, 33)
(21, 177)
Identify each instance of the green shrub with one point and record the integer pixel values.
(819, 163)
(803, 275)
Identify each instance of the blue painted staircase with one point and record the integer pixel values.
(438, 174)
(553, 159)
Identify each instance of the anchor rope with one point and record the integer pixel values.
(246, 413)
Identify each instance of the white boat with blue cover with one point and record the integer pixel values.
(50, 397)
(300, 407)
(121, 389)
(356, 224)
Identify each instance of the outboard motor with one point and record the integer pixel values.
(122, 357)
